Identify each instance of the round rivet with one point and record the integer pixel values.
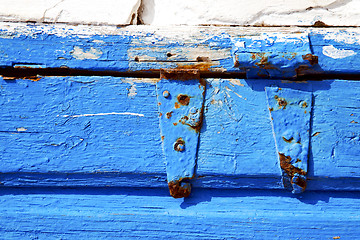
(193, 110)
(179, 145)
(166, 94)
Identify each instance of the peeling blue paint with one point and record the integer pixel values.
(273, 56)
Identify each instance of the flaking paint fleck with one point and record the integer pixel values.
(82, 54)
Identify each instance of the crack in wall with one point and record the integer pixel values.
(57, 17)
(333, 5)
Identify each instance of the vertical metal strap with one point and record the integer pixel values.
(290, 112)
(180, 95)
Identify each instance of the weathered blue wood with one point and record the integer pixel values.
(104, 131)
(96, 213)
(274, 55)
(290, 113)
(206, 48)
(180, 97)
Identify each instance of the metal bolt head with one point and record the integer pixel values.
(179, 145)
(166, 94)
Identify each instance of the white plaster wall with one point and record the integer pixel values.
(184, 12)
(113, 12)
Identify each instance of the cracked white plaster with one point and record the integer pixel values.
(184, 12)
(335, 53)
(245, 12)
(113, 12)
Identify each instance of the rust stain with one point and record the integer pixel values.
(203, 59)
(175, 123)
(336, 237)
(177, 191)
(311, 58)
(315, 134)
(257, 55)
(31, 78)
(197, 126)
(288, 140)
(285, 164)
(281, 101)
(160, 114)
(177, 105)
(292, 56)
(201, 66)
(271, 109)
(304, 104)
(162, 138)
(301, 69)
(169, 114)
(183, 99)
(297, 160)
(181, 73)
(263, 64)
(320, 24)
(353, 121)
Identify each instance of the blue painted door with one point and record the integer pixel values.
(85, 150)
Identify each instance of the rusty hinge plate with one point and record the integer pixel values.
(290, 112)
(180, 95)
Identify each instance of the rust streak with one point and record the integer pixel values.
(183, 73)
(288, 140)
(285, 163)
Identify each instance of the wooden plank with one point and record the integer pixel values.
(104, 131)
(90, 213)
(149, 49)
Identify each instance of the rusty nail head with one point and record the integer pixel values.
(179, 145)
(166, 94)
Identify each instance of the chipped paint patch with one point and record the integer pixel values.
(335, 53)
(132, 90)
(342, 37)
(82, 54)
(21, 129)
(104, 114)
(236, 82)
(230, 90)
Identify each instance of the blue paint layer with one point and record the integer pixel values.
(235, 136)
(51, 51)
(290, 112)
(109, 213)
(270, 55)
(273, 55)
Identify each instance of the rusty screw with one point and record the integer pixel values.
(166, 94)
(179, 145)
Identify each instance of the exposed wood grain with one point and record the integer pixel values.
(149, 49)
